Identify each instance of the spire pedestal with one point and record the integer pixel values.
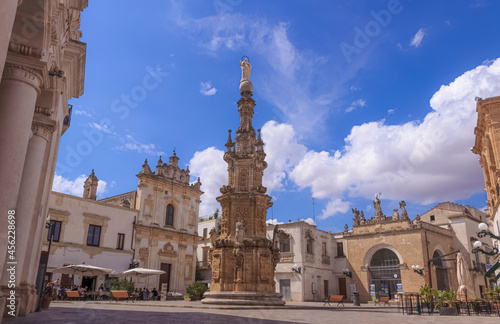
(243, 259)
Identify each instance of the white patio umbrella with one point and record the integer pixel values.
(138, 273)
(83, 270)
(465, 290)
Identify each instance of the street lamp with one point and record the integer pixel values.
(50, 226)
(477, 248)
(418, 269)
(134, 264)
(346, 272)
(296, 268)
(483, 231)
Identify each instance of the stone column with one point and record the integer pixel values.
(28, 222)
(7, 15)
(18, 92)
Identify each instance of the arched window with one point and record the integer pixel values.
(385, 273)
(169, 219)
(441, 273)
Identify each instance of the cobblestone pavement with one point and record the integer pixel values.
(195, 312)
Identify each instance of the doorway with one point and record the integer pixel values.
(342, 287)
(285, 289)
(165, 278)
(89, 283)
(325, 288)
(385, 273)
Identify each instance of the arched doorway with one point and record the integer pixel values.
(441, 273)
(385, 273)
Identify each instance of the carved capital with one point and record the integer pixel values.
(42, 130)
(23, 74)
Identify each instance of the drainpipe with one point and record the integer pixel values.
(429, 270)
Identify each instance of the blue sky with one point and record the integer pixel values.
(353, 99)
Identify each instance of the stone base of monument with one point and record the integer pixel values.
(248, 298)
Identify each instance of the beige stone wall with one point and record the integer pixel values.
(409, 244)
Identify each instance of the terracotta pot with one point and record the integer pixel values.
(46, 302)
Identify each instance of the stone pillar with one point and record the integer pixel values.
(28, 222)
(18, 92)
(7, 15)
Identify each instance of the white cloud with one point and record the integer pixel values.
(102, 128)
(283, 153)
(132, 145)
(309, 221)
(75, 187)
(356, 104)
(333, 207)
(82, 112)
(207, 89)
(425, 162)
(417, 39)
(212, 170)
(273, 222)
(391, 111)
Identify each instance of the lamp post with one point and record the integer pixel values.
(50, 226)
(483, 232)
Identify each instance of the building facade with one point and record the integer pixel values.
(487, 146)
(206, 224)
(90, 232)
(42, 63)
(376, 256)
(152, 227)
(311, 262)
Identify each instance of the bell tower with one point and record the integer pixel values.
(243, 259)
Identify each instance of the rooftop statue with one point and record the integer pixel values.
(245, 70)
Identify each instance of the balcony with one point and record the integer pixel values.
(325, 259)
(286, 257)
(204, 265)
(67, 119)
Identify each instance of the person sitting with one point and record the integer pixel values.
(62, 293)
(100, 291)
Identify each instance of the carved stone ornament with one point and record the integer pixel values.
(42, 130)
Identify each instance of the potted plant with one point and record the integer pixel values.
(427, 294)
(196, 290)
(46, 298)
(447, 302)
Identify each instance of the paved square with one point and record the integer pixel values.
(195, 312)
